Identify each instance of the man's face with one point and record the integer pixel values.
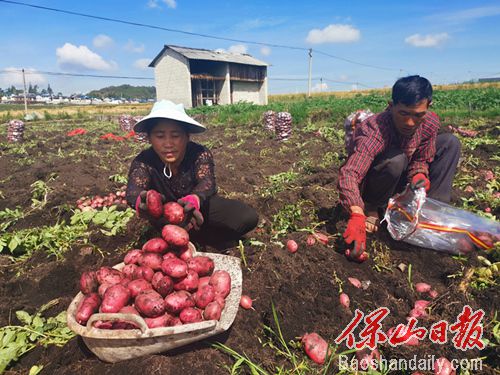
(408, 118)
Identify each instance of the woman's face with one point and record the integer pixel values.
(169, 140)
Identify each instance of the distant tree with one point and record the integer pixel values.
(43, 92)
(59, 93)
(30, 89)
(49, 90)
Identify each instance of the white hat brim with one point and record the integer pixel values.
(191, 125)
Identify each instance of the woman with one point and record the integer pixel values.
(183, 171)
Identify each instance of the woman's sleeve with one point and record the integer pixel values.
(139, 179)
(204, 170)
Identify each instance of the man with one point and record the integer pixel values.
(392, 148)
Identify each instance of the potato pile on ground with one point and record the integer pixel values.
(163, 283)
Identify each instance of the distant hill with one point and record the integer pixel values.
(125, 91)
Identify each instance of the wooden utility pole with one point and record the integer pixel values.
(310, 72)
(321, 84)
(25, 100)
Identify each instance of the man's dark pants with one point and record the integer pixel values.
(387, 174)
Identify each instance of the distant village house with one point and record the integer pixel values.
(198, 77)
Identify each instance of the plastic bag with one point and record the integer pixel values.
(426, 222)
(350, 123)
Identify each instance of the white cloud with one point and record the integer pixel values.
(14, 76)
(429, 40)
(142, 63)
(132, 47)
(238, 49)
(170, 3)
(102, 41)
(266, 51)
(71, 57)
(320, 87)
(220, 50)
(465, 15)
(154, 4)
(334, 33)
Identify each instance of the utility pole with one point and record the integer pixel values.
(310, 72)
(321, 84)
(25, 100)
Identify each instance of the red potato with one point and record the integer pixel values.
(221, 281)
(173, 212)
(344, 300)
(417, 313)
(145, 273)
(169, 255)
(150, 304)
(321, 237)
(246, 302)
(177, 301)
(138, 286)
(132, 256)
(130, 271)
(202, 281)
(315, 346)
(125, 281)
(88, 282)
(151, 260)
(129, 310)
(443, 367)
(155, 245)
(103, 324)
(175, 321)
(102, 289)
(421, 304)
(154, 204)
(203, 266)
(221, 301)
(175, 236)
(162, 284)
(159, 321)
(190, 315)
(189, 283)
(115, 298)
(311, 240)
(422, 287)
(123, 324)
(186, 253)
(433, 293)
(292, 246)
(108, 275)
(174, 267)
(212, 311)
(88, 306)
(204, 296)
(354, 282)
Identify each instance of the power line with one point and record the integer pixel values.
(354, 62)
(194, 34)
(150, 26)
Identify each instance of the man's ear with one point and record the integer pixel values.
(389, 104)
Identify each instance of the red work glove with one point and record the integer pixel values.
(191, 205)
(420, 180)
(356, 232)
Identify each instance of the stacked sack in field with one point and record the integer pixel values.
(283, 126)
(15, 131)
(127, 123)
(269, 120)
(350, 123)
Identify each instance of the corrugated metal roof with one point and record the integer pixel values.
(205, 54)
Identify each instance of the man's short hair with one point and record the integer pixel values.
(411, 90)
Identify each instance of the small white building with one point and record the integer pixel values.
(197, 77)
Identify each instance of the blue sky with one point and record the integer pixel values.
(446, 41)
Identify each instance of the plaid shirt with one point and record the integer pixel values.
(373, 137)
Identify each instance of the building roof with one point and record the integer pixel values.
(205, 54)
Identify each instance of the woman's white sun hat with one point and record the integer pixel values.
(168, 110)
